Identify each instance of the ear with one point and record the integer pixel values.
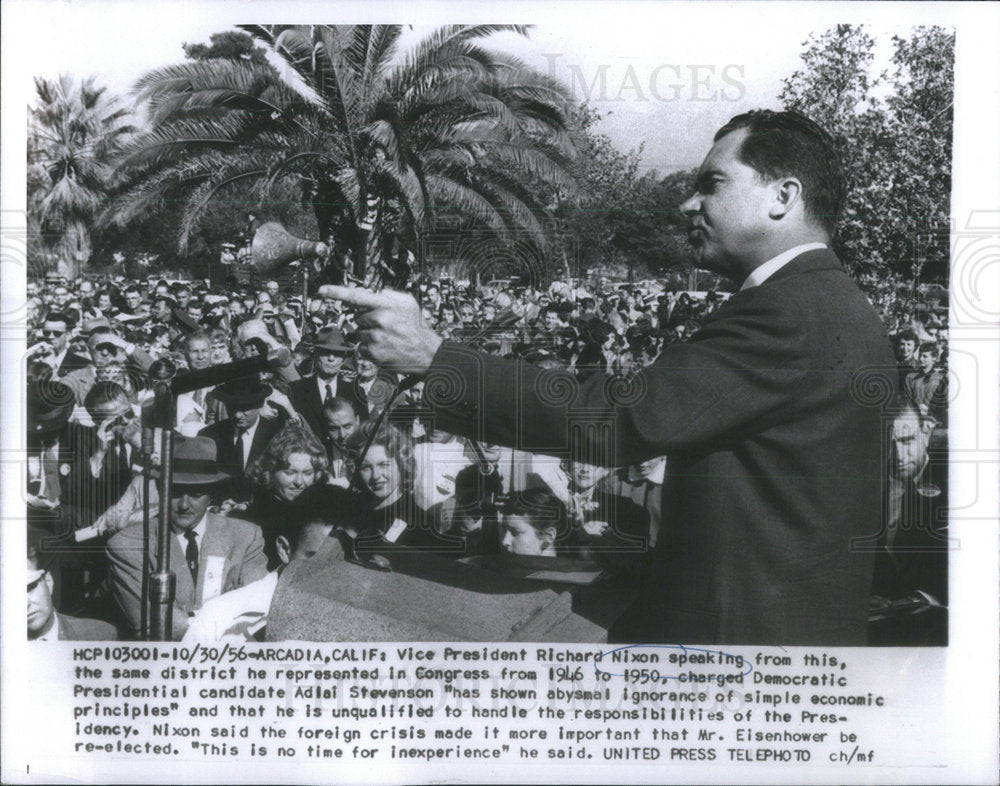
(284, 549)
(787, 194)
(49, 581)
(547, 537)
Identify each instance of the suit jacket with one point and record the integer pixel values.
(304, 395)
(772, 413)
(238, 543)
(82, 629)
(82, 498)
(82, 380)
(228, 456)
(71, 362)
(914, 546)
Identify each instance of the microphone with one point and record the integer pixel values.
(148, 441)
(216, 375)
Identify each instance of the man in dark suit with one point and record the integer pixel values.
(44, 622)
(209, 554)
(55, 349)
(242, 437)
(309, 394)
(910, 589)
(768, 409)
(341, 424)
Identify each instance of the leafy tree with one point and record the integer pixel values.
(74, 131)
(378, 147)
(230, 45)
(896, 148)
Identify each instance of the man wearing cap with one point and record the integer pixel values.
(54, 446)
(209, 554)
(44, 622)
(244, 435)
(112, 359)
(309, 394)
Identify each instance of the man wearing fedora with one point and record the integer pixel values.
(309, 394)
(244, 435)
(209, 554)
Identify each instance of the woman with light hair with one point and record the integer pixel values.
(384, 479)
(293, 461)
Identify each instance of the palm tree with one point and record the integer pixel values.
(74, 132)
(384, 149)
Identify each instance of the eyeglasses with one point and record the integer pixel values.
(123, 419)
(53, 333)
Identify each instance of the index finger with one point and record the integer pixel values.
(354, 296)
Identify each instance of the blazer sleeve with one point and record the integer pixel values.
(125, 562)
(253, 564)
(743, 369)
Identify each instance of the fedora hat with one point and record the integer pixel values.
(50, 405)
(195, 462)
(185, 321)
(92, 324)
(243, 394)
(330, 339)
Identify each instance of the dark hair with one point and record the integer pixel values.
(779, 144)
(540, 509)
(323, 503)
(339, 404)
(60, 316)
(927, 346)
(906, 335)
(104, 393)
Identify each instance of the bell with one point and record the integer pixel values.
(273, 248)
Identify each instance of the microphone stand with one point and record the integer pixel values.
(148, 444)
(167, 384)
(163, 582)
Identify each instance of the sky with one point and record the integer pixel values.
(663, 75)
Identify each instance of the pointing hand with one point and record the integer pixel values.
(390, 327)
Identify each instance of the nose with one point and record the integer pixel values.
(507, 541)
(691, 205)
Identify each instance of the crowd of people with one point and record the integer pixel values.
(267, 467)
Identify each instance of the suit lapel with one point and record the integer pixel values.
(261, 438)
(211, 546)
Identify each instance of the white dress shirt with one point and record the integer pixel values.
(321, 385)
(199, 533)
(773, 265)
(246, 440)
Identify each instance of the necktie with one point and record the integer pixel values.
(53, 487)
(240, 447)
(191, 553)
(123, 466)
(329, 394)
(199, 397)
